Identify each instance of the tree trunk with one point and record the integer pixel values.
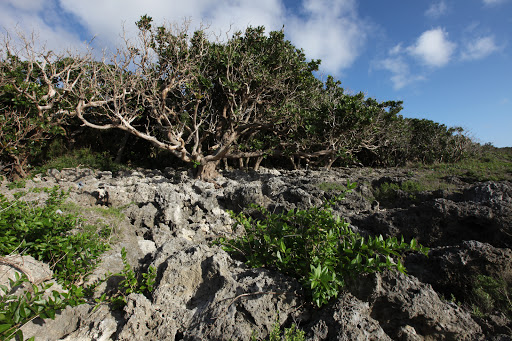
(330, 161)
(120, 152)
(18, 169)
(207, 170)
(258, 162)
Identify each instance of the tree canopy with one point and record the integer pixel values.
(204, 100)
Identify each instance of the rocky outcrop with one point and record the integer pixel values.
(201, 293)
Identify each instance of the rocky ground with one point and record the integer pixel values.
(203, 294)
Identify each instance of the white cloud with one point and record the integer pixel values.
(433, 48)
(436, 9)
(401, 75)
(330, 30)
(220, 16)
(479, 48)
(36, 18)
(26, 5)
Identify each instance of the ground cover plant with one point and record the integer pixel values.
(314, 246)
(490, 164)
(83, 157)
(70, 247)
(490, 295)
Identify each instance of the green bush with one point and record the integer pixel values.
(16, 310)
(83, 157)
(315, 247)
(44, 233)
(388, 192)
(490, 295)
(72, 251)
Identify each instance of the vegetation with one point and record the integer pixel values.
(288, 334)
(491, 295)
(315, 247)
(71, 248)
(489, 164)
(253, 96)
(83, 157)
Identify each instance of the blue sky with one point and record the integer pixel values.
(448, 60)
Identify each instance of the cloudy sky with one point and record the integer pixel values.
(448, 60)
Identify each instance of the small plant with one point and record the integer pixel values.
(16, 310)
(389, 192)
(43, 232)
(331, 186)
(490, 295)
(315, 247)
(130, 283)
(16, 184)
(288, 334)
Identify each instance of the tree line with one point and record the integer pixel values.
(205, 102)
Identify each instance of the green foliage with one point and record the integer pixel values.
(389, 192)
(490, 295)
(71, 250)
(16, 310)
(489, 164)
(315, 247)
(44, 233)
(131, 283)
(288, 334)
(142, 283)
(24, 131)
(251, 96)
(16, 184)
(331, 186)
(84, 157)
(406, 140)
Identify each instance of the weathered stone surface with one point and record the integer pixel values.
(349, 319)
(401, 302)
(36, 271)
(201, 293)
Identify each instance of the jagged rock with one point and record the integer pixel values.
(36, 271)
(349, 319)
(201, 293)
(448, 221)
(399, 303)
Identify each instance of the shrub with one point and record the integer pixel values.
(490, 295)
(315, 247)
(83, 157)
(44, 233)
(72, 250)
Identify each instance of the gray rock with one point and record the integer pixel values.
(201, 293)
(36, 271)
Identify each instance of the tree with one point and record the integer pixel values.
(195, 98)
(32, 86)
(249, 96)
(341, 125)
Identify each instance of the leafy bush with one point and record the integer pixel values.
(44, 233)
(16, 310)
(491, 295)
(315, 247)
(84, 157)
(131, 283)
(389, 191)
(288, 334)
(72, 250)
